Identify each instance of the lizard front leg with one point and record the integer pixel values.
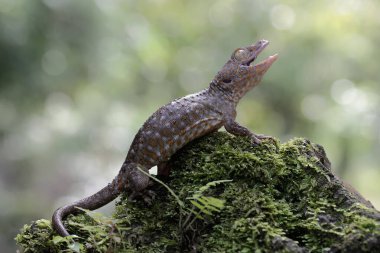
(236, 129)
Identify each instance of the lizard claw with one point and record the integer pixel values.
(148, 196)
(266, 137)
(257, 138)
(263, 137)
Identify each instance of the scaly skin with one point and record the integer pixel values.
(176, 124)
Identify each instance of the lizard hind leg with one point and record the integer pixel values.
(138, 181)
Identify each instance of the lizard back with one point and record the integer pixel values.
(172, 126)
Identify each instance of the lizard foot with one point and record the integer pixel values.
(264, 137)
(257, 138)
(147, 195)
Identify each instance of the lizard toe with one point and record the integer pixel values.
(255, 141)
(148, 196)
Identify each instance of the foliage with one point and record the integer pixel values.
(205, 204)
(282, 198)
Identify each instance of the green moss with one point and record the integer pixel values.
(282, 198)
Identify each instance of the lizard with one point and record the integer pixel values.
(176, 124)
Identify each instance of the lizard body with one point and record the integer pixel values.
(176, 124)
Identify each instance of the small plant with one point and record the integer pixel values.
(68, 242)
(205, 205)
(201, 206)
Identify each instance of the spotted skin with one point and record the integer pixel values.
(171, 127)
(176, 124)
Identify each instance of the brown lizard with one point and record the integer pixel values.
(176, 124)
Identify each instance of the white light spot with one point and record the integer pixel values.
(352, 98)
(349, 96)
(360, 100)
(282, 17)
(54, 62)
(153, 170)
(340, 90)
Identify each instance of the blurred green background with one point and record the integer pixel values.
(78, 78)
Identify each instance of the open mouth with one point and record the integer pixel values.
(268, 61)
(260, 46)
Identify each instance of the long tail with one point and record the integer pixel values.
(97, 200)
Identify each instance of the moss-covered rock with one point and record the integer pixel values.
(272, 198)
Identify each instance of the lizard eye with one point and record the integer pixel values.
(240, 54)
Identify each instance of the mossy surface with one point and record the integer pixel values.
(282, 198)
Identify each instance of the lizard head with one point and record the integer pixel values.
(239, 75)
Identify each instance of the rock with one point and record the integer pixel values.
(229, 196)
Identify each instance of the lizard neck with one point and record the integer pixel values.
(217, 91)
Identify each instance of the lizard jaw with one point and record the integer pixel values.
(257, 48)
(256, 73)
(263, 66)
